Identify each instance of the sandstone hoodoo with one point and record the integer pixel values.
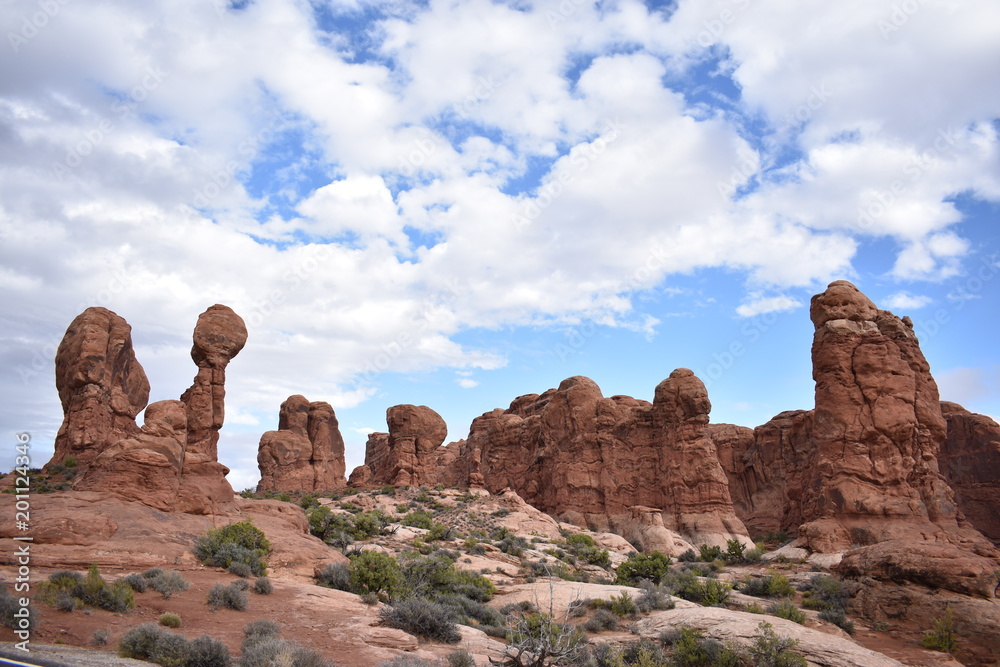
(410, 453)
(646, 470)
(306, 453)
(171, 463)
(101, 385)
(862, 467)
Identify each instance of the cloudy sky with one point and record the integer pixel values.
(453, 203)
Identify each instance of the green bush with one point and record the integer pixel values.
(709, 554)
(640, 566)
(152, 643)
(206, 651)
(734, 552)
(787, 610)
(70, 590)
(654, 597)
(428, 620)
(230, 597)
(583, 547)
(138, 582)
(942, 636)
(770, 586)
(170, 620)
(262, 647)
(419, 519)
(10, 605)
(240, 542)
(436, 575)
(622, 604)
(375, 572)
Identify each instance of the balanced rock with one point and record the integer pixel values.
(102, 387)
(408, 454)
(970, 461)
(306, 453)
(171, 462)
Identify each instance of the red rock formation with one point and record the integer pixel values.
(171, 462)
(306, 453)
(101, 386)
(409, 453)
(970, 461)
(590, 459)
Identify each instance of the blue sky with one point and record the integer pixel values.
(456, 203)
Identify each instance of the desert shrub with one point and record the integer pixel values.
(439, 531)
(583, 547)
(260, 629)
(271, 651)
(67, 591)
(10, 606)
(149, 642)
(207, 651)
(375, 572)
(838, 617)
(170, 650)
(770, 586)
(138, 582)
(240, 569)
(602, 619)
(241, 585)
(654, 597)
(166, 583)
(512, 544)
(707, 592)
(640, 566)
(263, 586)
(770, 650)
(622, 604)
(942, 636)
(170, 620)
(229, 597)
(688, 556)
(687, 647)
(419, 519)
(425, 619)
(240, 542)
(100, 637)
(470, 612)
(335, 575)
(754, 555)
(734, 552)
(708, 554)
(826, 592)
(152, 573)
(407, 661)
(535, 639)
(461, 658)
(787, 610)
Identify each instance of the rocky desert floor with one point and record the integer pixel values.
(530, 563)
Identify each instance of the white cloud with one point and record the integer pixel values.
(905, 300)
(761, 304)
(466, 383)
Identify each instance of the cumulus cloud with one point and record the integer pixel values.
(760, 304)
(905, 300)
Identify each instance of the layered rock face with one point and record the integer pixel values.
(102, 387)
(171, 462)
(649, 470)
(306, 453)
(970, 461)
(410, 453)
